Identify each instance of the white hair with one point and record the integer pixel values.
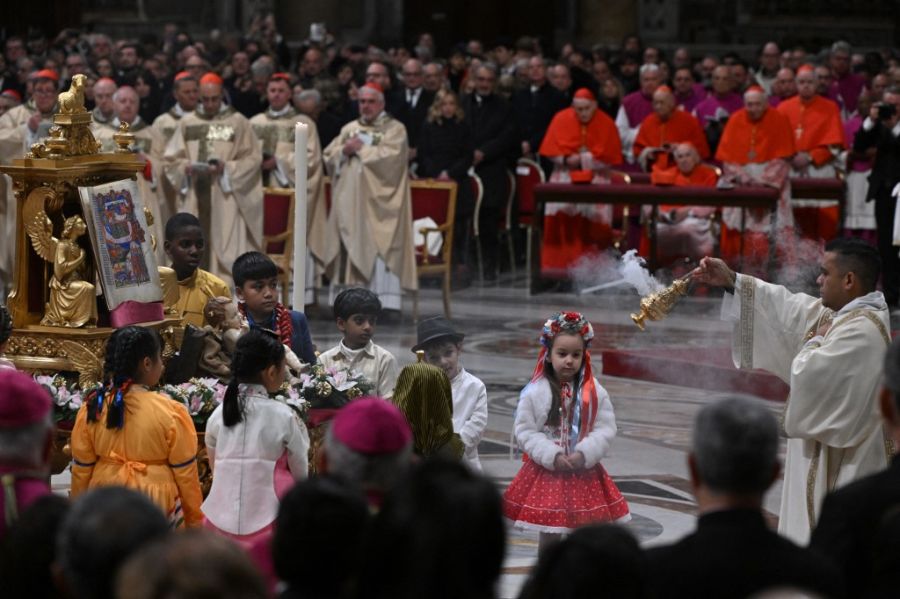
(125, 88)
(367, 471)
(649, 68)
(24, 445)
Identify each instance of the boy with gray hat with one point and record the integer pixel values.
(442, 345)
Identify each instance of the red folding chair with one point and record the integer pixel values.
(435, 200)
(528, 174)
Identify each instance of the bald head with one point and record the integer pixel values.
(126, 102)
(722, 82)
(560, 77)
(756, 103)
(663, 102)
(686, 157)
(103, 96)
(211, 97)
(785, 84)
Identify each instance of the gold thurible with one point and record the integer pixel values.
(657, 305)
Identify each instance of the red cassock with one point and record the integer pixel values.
(817, 127)
(681, 127)
(571, 231)
(747, 142)
(566, 135)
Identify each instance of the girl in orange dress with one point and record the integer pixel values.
(125, 434)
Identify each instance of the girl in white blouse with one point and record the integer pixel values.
(257, 446)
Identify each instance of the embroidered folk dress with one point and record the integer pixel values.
(541, 498)
(155, 452)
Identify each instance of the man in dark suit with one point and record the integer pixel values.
(413, 103)
(881, 130)
(535, 106)
(733, 553)
(492, 129)
(852, 516)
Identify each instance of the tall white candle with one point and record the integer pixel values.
(301, 137)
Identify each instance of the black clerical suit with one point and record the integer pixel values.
(734, 554)
(413, 116)
(534, 108)
(850, 519)
(885, 175)
(492, 130)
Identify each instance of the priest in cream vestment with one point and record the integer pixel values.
(371, 203)
(830, 351)
(275, 129)
(213, 160)
(149, 145)
(20, 127)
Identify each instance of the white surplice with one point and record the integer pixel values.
(831, 417)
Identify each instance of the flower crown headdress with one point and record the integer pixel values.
(566, 322)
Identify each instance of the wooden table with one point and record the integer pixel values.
(638, 194)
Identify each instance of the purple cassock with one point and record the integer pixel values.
(637, 107)
(713, 107)
(845, 91)
(690, 101)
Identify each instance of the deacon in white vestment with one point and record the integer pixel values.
(371, 203)
(830, 352)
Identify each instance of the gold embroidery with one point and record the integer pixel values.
(748, 291)
(376, 136)
(811, 486)
(271, 134)
(207, 135)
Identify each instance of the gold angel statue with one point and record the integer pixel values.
(72, 299)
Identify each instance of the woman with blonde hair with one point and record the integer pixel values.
(445, 153)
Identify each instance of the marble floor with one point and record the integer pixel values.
(648, 458)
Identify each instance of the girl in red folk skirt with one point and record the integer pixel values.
(564, 424)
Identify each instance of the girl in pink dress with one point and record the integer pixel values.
(565, 424)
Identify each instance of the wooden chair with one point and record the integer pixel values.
(278, 235)
(478, 192)
(437, 200)
(528, 174)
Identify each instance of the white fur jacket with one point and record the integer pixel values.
(535, 440)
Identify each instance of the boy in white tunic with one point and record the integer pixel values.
(442, 345)
(829, 350)
(356, 312)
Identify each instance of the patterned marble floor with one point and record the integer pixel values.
(648, 457)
